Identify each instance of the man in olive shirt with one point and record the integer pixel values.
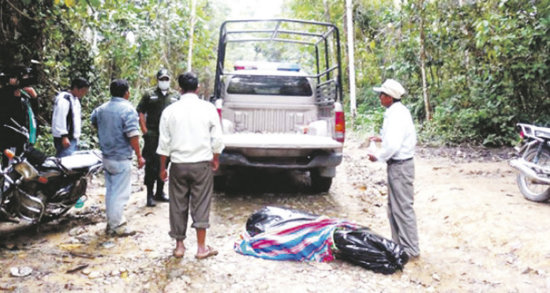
(150, 108)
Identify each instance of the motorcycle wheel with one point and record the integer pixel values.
(532, 189)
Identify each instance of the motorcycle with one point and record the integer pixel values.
(534, 164)
(37, 188)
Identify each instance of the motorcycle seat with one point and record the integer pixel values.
(543, 133)
(81, 160)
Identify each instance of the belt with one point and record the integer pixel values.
(393, 161)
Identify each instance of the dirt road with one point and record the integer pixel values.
(477, 233)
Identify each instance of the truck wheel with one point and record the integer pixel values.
(319, 183)
(531, 188)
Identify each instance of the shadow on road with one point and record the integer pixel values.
(252, 181)
(67, 222)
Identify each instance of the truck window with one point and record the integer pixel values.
(269, 85)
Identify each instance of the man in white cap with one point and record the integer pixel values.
(398, 143)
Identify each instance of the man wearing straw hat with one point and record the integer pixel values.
(398, 143)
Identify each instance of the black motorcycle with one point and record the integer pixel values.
(37, 188)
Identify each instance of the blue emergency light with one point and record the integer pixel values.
(289, 67)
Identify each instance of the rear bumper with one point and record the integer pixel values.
(314, 160)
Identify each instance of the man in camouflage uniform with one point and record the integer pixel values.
(149, 109)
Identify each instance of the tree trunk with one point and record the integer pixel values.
(351, 57)
(191, 36)
(427, 106)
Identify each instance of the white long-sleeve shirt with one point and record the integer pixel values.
(398, 134)
(190, 131)
(60, 112)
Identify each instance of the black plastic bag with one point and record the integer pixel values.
(369, 250)
(360, 246)
(271, 217)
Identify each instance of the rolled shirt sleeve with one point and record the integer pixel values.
(142, 103)
(131, 124)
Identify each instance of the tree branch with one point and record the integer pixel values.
(20, 12)
(90, 5)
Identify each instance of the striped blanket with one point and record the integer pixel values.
(304, 241)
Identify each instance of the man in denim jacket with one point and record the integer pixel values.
(118, 131)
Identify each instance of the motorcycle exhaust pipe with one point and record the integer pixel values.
(520, 165)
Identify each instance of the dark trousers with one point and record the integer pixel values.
(190, 187)
(152, 160)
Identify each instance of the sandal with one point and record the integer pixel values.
(209, 252)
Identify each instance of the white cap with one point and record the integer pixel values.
(392, 88)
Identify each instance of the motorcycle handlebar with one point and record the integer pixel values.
(18, 128)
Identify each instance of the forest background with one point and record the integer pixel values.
(473, 69)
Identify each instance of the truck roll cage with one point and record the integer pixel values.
(312, 33)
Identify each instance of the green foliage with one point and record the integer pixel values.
(44, 141)
(501, 78)
(487, 63)
(369, 119)
(104, 40)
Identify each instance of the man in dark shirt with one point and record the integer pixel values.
(150, 108)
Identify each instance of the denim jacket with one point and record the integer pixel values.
(116, 121)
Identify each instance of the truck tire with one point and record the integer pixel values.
(220, 183)
(319, 183)
(529, 187)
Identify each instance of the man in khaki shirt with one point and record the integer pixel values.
(191, 136)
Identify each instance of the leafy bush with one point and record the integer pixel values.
(487, 65)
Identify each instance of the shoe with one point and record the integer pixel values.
(162, 197)
(209, 252)
(120, 231)
(151, 201)
(150, 196)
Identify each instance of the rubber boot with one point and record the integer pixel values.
(160, 195)
(150, 200)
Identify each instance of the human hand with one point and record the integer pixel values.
(215, 163)
(141, 162)
(65, 142)
(372, 158)
(375, 138)
(163, 175)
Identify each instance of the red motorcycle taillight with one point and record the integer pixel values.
(339, 122)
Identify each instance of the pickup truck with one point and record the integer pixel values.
(274, 114)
